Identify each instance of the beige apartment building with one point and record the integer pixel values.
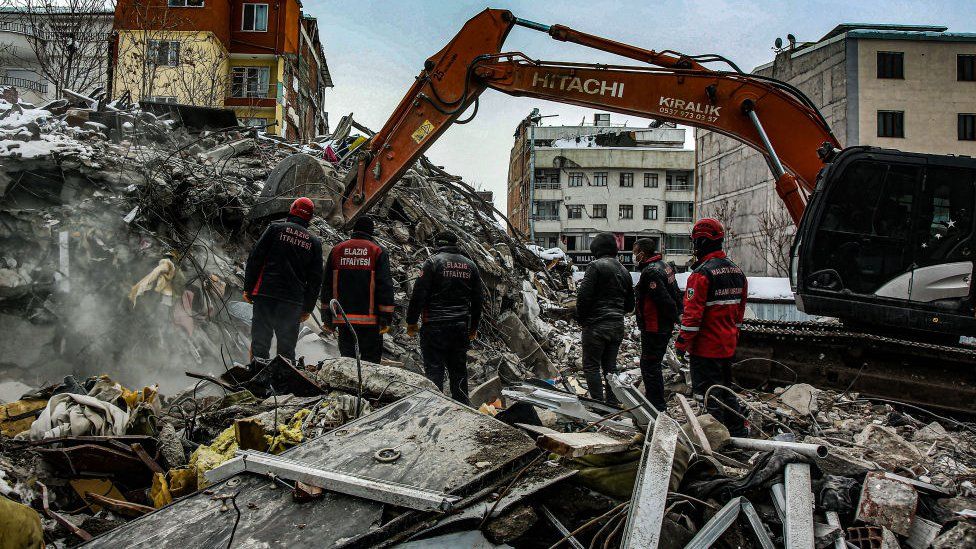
(568, 183)
(905, 87)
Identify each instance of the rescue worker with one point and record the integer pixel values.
(605, 295)
(658, 305)
(715, 302)
(282, 278)
(357, 273)
(447, 298)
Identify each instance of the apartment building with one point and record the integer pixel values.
(566, 184)
(264, 60)
(904, 87)
(50, 48)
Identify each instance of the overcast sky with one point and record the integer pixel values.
(376, 48)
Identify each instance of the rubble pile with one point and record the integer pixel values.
(128, 420)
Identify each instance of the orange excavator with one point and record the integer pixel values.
(885, 239)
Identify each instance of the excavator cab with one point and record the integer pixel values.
(888, 239)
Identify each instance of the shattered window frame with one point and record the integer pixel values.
(254, 7)
(599, 211)
(248, 85)
(625, 211)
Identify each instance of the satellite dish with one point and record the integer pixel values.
(778, 43)
(790, 38)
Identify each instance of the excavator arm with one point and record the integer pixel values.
(766, 114)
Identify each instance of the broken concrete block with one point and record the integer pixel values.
(963, 534)
(390, 382)
(232, 149)
(888, 447)
(511, 525)
(521, 341)
(888, 503)
(801, 398)
(932, 432)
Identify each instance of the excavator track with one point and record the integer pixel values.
(831, 355)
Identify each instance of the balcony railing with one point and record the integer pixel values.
(546, 185)
(26, 29)
(678, 219)
(252, 93)
(678, 187)
(677, 251)
(25, 83)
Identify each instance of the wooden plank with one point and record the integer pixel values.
(643, 527)
(444, 446)
(696, 428)
(581, 444)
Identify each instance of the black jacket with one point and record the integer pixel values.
(607, 290)
(448, 290)
(357, 273)
(657, 296)
(286, 264)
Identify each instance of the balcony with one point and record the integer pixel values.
(678, 219)
(252, 96)
(678, 187)
(23, 83)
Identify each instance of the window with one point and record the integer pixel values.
(626, 211)
(947, 200)
(547, 210)
(626, 179)
(891, 64)
(570, 241)
(164, 53)
(253, 122)
(599, 179)
(677, 181)
(547, 179)
(574, 211)
(966, 68)
(162, 98)
(255, 18)
(967, 127)
(185, 3)
(250, 82)
(650, 212)
(677, 244)
(650, 180)
(575, 179)
(599, 211)
(601, 119)
(680, 211)
(891, 124)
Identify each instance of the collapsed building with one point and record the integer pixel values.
(127, 420)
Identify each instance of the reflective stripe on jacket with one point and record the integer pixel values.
(715, 303)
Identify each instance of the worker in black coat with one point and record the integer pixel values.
(447, 299)
(658, 307)
(282, 279)
(604, 296)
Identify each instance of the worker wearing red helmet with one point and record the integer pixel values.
(282, 279)
(715, 302)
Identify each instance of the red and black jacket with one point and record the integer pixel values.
(286, 264)
(658, 297)
(715, 302)
(357, 273)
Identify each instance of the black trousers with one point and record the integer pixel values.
(653, 347)
(445, 349)
(706, 372)
(370, 342)
(273, 317)
(601, 342)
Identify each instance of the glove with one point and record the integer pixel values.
(412, 330)
(472, 335)
(384, 329)
(247, 297)
(305, 316)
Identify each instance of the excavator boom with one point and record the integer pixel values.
(768, 115)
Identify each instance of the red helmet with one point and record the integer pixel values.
(303, 208)
(709, 228)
